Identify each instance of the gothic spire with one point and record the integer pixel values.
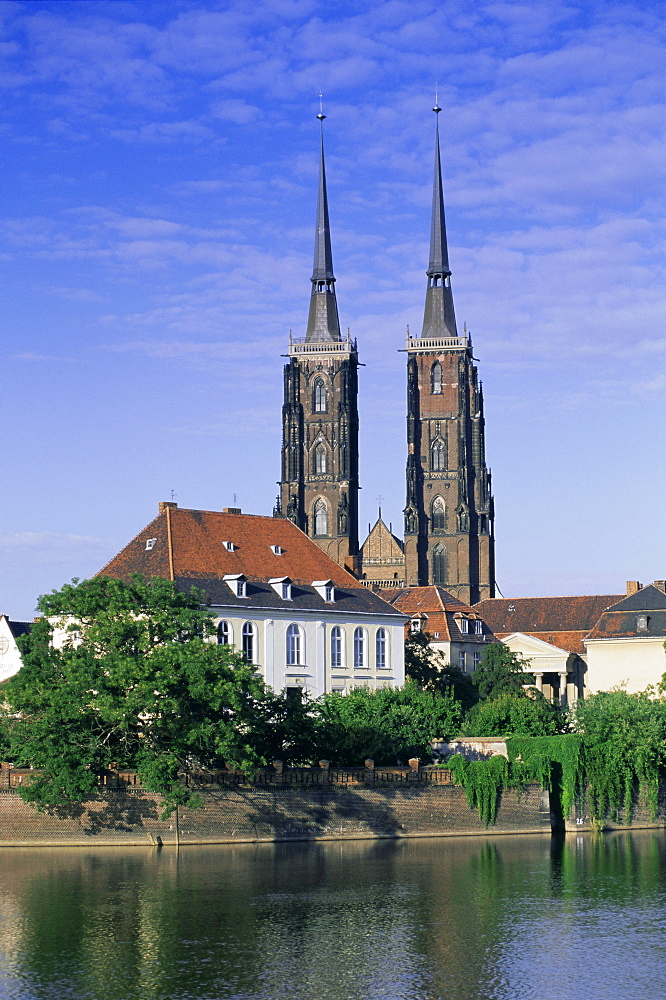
(323, 322)
(439, 319)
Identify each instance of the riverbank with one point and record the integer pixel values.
(243, 813)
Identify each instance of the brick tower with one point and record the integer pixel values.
(449, 512)
(319, 484)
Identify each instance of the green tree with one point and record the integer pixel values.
(389, 725)
(428, 668)
(134, 683)
(624, 743)
(500, 671)
(511, 713)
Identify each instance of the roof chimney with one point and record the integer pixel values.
(164, 504)
(661, 584)
(633, 586)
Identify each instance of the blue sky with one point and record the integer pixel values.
(156, 228)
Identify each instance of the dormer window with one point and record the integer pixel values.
(238, 583)
(276, 550)
(282, 587)
(150, 544)
(463, 625)
(415, 625)
(642, 623)
(229, 546)
(478, 627)
(325, 589)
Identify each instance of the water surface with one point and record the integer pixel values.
(510, 918)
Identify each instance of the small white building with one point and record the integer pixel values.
(304, 621)
(626, 646)
(10, 656)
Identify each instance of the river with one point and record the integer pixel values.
(505, 918)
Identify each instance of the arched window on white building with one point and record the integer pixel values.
(360, 647)
(294, 645)
(336, 647)
(381, 643)
(249, 642)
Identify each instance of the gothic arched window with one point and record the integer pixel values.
(319, 401)
(248, 642)
(223, 634)
(320, 459)
(438, 514)
(438, 565)
(294, 645)
(320, 517)
(336, 646)
(436, 379)
(438, 456)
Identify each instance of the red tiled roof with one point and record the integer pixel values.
(197, 550)
(435, 602)
(571, 641)
(536, 615)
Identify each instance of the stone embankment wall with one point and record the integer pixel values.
(643, 816)
(294, 805)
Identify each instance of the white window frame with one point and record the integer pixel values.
(294, 645)
(224, 628)
(381, 648)
(337, 647)
(249, 647)
(360, 648)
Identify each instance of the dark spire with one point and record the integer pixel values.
(323, 322)
(439, 319)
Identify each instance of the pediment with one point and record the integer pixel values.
(529, 645)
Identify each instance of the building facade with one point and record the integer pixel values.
(299, 617)
(454, 629)
(626, 646)
(319, 480)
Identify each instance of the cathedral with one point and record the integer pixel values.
(448, 517)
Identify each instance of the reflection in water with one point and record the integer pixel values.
(510, 918)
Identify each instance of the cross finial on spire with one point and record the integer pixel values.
(321, 114)
(437, 108)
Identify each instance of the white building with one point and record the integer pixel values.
(303, 620)
(626, 646)
(10, 656)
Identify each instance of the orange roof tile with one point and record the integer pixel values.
(198, 549)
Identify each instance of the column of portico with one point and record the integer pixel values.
(563, 688)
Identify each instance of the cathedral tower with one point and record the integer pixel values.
(319, 484)
(449, 513)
